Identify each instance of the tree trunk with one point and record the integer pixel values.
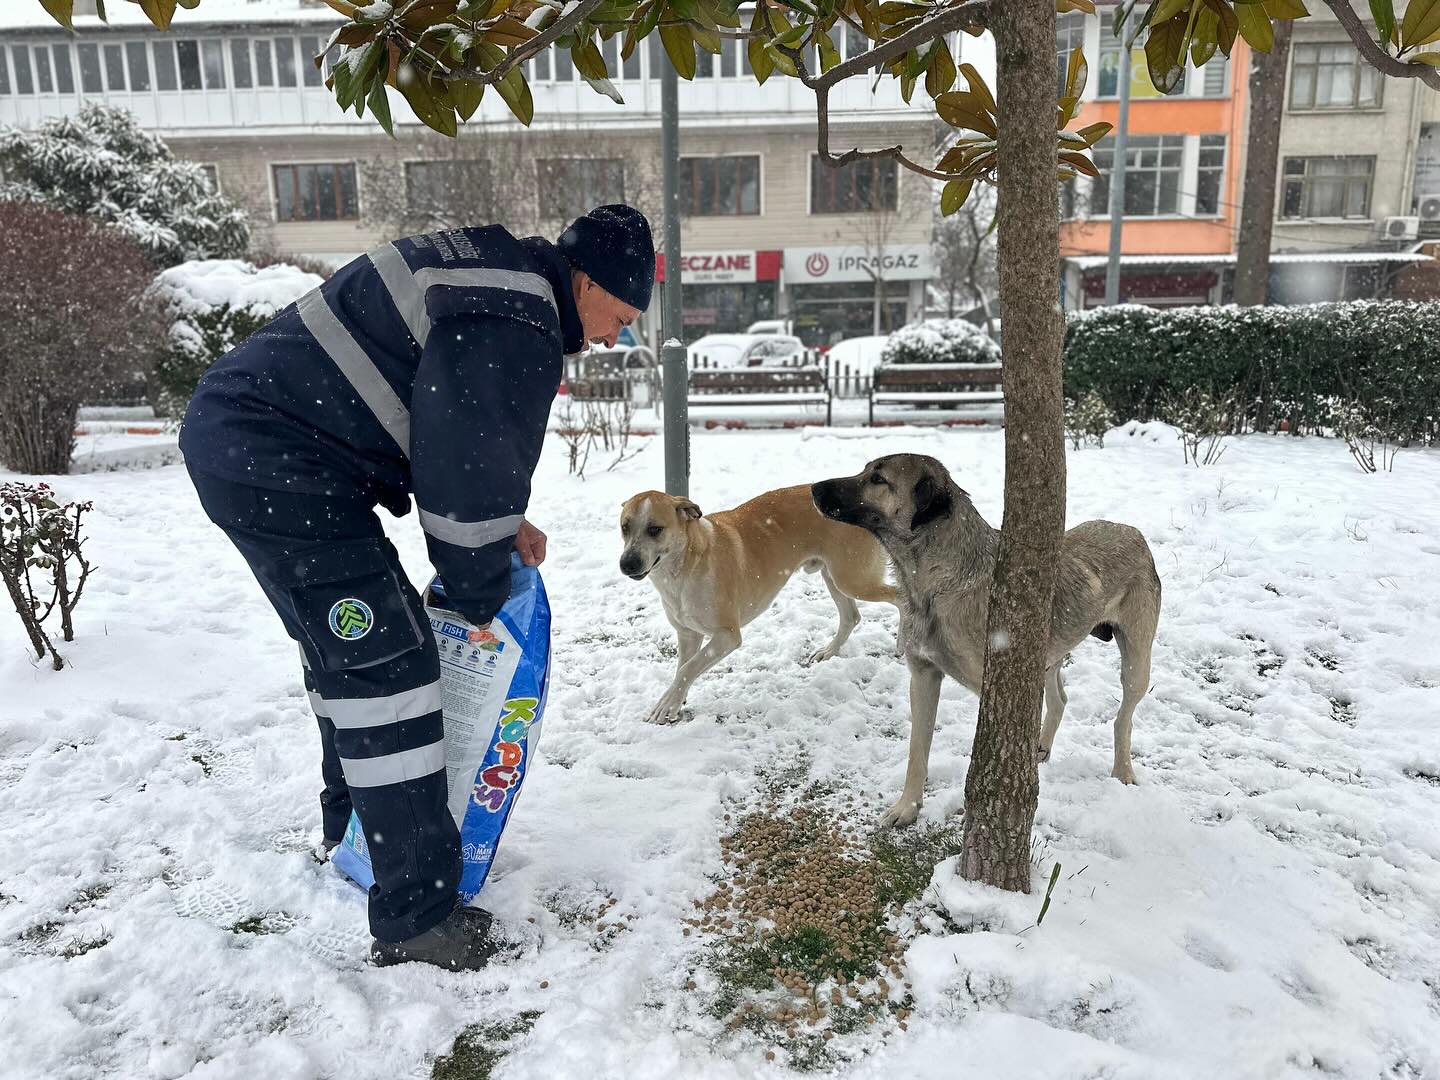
(1002, 786)
(1262, 164)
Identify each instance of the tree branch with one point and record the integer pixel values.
(520, 53)
(1377, 57)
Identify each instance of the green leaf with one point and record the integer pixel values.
(961, 109)
(1383, 12)
(1206, 37)
(159, 12)
(783, 63)
(1075, 73)
(588, 61)
(1229, 24)
(1422, 18)
(1255, 26)
(1286, 9)
(1165, 52)
(1093, 133)
(380, 106)
(467, 97)
(424, 96)
(830, 56)
(708, 39)
(1080, 162)
(953, 195)
(1168, 9)
(680, 47)
(942, 73)
(686, 9)
(644, 27)
(1054, 877)
(760, 61)
(515, 92)
(976, 82)
(62, 11)
(1430, 58)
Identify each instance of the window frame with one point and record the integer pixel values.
(687, 206)
(295, 166)
(1287, 178)
(812, 209)
(1350, 58)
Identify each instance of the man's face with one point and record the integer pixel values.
(602, 316)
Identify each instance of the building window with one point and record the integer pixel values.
(240, 64)
(540, 67)
(1152, 175)
(285, 61)
(1108, 73)
(90, 80)
(719, 187)
(137, 57)
(315, 192)
(4, 73)
(1217, 76)
(212, 59)
(1327, 187)
(1069, 36)
(309, 49)
(43, 78)
(212, 178)
(1332, 77)
(435, 190)
(264, 63)
(114, 67)
(866, 185)
(163, 54)
(188, 53)
(570, 187)
(1209, 174)
(24, 77)
(64, 69)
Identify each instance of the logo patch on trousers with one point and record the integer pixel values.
(351, 619)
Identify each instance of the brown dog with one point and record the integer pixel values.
(715, 574)
(944, 555)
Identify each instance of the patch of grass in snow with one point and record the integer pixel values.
(589, 911)
(40, 935)
(79, 946)
(203, 762)
(479, 1048)
(180, 737)
(800, 938)
(1342, 712)
(269, 922)
(89, 896)
(1417, 773)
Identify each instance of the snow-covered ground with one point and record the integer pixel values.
(1264, 904)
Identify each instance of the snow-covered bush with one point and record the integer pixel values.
(76, 325)
(101, 164)
(940, 341)
(211, 306)
(1284, 368)
(42, 560)
(1088, 419)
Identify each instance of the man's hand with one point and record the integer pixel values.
(530, 543)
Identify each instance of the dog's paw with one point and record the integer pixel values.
(827, 653)
(901, 814)
(1042, 755)
(1125, 774)
(667, 711)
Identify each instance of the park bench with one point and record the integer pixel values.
(732, 387)
(935, 384)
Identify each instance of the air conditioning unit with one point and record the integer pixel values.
(1429, 208)
(1400, 228)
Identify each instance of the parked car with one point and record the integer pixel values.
(772, 326)
(746, 350)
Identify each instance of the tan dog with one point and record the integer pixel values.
(715, 574)
(944, 555)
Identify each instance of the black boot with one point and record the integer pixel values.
(461, 943)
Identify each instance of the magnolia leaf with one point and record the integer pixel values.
(1075, 72)
(1430, 58)
(1286, 9)
(953, 195)
(380, 107)
(1080, 162)
(941, 74)
(467, 95)
(62, 11)
(159, 12)
(515, 92)
(976, 82)
(1165, 52)
(679, 45)
(1255, 26)
(1422, 18)
(1093, 133)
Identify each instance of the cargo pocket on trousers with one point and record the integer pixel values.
(351, 602)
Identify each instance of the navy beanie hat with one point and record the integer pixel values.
(613, 245)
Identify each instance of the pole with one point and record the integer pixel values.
(1117, 178)
(675, 380)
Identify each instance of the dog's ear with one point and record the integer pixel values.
(931, 502)
(687, 509)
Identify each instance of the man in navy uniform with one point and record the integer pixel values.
(427, 369)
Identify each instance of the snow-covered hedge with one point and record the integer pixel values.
(940, 341)
(212, 305)
(1284, 366)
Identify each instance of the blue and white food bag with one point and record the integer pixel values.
(494, 697)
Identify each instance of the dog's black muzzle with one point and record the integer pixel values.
(633, 567)
(839, 501)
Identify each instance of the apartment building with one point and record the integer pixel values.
(769, 231)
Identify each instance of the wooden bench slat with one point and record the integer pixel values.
(938, 395)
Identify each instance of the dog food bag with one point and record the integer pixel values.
(494, 697)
